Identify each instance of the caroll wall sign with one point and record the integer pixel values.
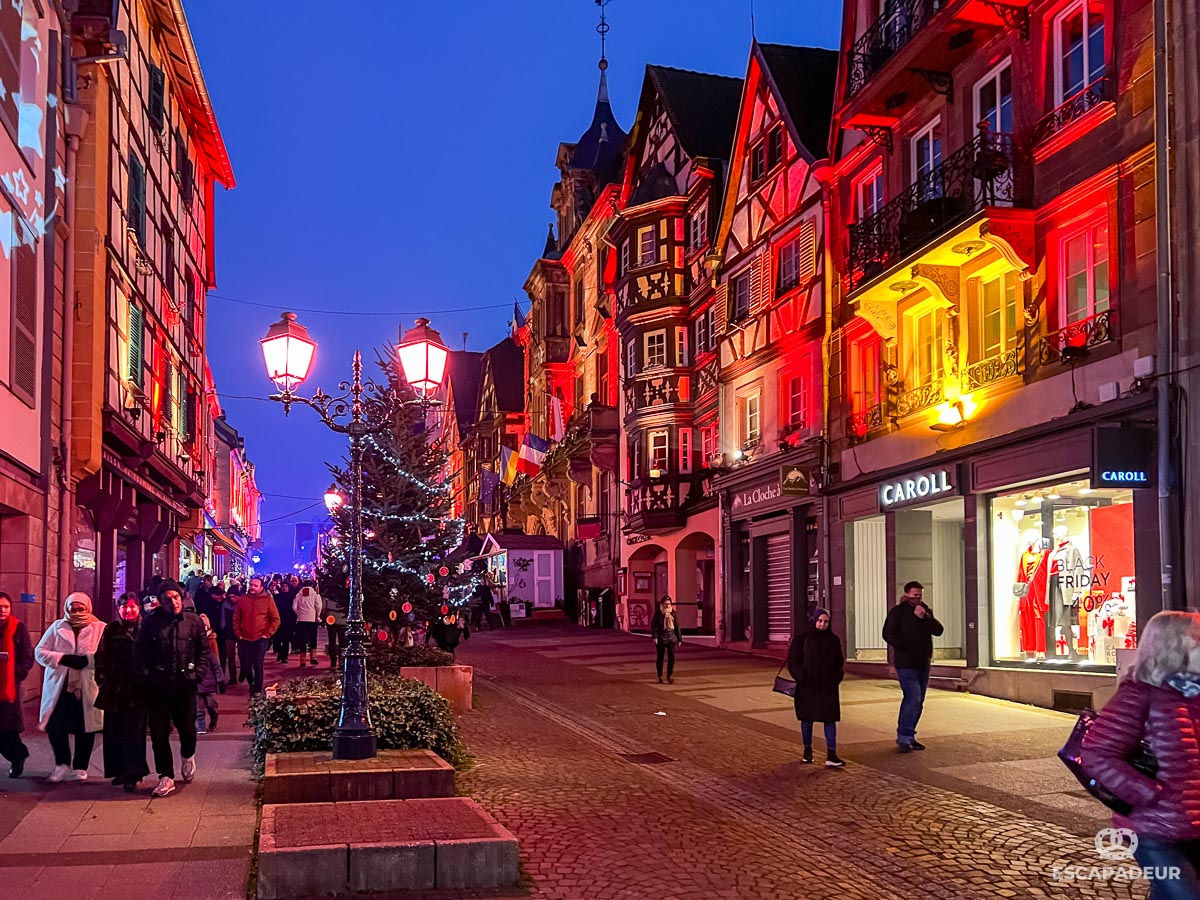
(918, 488)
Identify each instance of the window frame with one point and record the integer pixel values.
(915, 378)
(934, 131)
(870, 176)
(994, 76)
(698, 227)
(1060, 89)
(750, 417)
(685, 451)
(1087, 229)
(865, 348)
(631, 358)
(681, 347)
(710, 444)
(1009, 340)
(787, 394)
(650, 355)
(736, 314)
(658, 453)
(644, 232)
(625, 258)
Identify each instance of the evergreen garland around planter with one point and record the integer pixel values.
(390, 660)
(405, 713)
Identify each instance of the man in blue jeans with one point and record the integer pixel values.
(909, 630)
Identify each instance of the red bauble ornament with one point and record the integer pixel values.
(445, 610)
(406, 607)
(443, 571)
(429, 578)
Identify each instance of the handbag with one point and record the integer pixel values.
(783, 684)
(1071, 754)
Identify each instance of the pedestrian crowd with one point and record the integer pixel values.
(159, 666)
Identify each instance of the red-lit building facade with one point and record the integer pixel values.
(149, 162)
(770, 320)
(664, 309)
(992, 223)
(235, 502)
(460, 408)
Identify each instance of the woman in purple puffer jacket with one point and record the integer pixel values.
(1158, 702)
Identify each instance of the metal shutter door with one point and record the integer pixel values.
(779, 588)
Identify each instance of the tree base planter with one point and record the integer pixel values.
(452, 682)
(314, 849)
(315, 777)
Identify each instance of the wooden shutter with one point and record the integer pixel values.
(24, 312)
(157, 101)
(10, 64)
(721, 312)
(189, 419)
(760, 281)
(808, 252)
(136, 345)
(168, 391)
(135, 211)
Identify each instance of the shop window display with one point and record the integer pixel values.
(1063, 584)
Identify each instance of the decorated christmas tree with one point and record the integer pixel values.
(410, 568)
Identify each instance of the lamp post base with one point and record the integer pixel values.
(353, 745)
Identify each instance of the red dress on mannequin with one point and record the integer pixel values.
(1031, 610)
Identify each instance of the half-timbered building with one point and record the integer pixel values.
(770, 324)
(670, 204)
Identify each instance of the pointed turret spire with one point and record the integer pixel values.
(602, 142)
(551, 243)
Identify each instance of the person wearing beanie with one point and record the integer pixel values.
(120, 697)
(67, 650)
(816, 662)
(169, 654)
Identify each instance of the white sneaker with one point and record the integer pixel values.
(77, 775)
(59, 773)
(165, 786)
(188, 770)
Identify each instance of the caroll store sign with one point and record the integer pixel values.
(918, 488)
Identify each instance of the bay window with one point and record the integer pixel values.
(647, 249)
(656, 349)
(659, 444)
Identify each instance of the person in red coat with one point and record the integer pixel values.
(1158, 701)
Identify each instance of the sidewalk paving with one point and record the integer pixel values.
(75, 841)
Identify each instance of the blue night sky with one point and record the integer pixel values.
(400, 162)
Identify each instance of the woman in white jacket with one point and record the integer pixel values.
(308, 606)
(68, 652)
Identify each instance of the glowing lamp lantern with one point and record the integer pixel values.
(422, 357)
(288, 351)
(333, 499)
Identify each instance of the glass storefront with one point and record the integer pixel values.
(1063, 576)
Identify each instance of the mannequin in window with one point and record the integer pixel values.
(1030, 589)
(1068, 578)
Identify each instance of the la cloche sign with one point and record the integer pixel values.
(916, 488)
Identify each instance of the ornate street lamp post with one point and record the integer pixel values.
(362, 409)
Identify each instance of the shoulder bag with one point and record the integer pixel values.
(1071, 755)
(783, 684)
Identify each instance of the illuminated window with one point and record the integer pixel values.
(681, 346)
(927, 339)
(698, 228)
(647, 250)
(685, 450)
(709, 444)
(656, 349)
(659, 449)
(796, 399)
(1078, 48)
(1083, 264)
(868, 193)
(751, 420)
(998, 319)
(796, 262)
(631, 359)
(864, 373)
(994, 99)
(739, 290)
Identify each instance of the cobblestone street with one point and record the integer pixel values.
(617, 786)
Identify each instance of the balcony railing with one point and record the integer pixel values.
(1081, 335)
(985, 172)
(860, 424)
(919, 398)
(993, 369)
(1076, 108)
(885, 38)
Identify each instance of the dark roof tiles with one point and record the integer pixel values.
(805, 77)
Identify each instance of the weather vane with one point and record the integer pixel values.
(602, 30)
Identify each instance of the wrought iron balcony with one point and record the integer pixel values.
(994, 368)
(1074, 109)
(861, 424)
(886, 36)
(985, 172)
(919, 398)
(1078, 336)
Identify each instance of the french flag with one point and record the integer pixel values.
(533, 451)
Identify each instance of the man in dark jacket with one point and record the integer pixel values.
(909, 630)
(168, 655)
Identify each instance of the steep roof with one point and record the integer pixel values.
(805, 78)
(702, 107)
(600, 147)
(505, 366)
(465, 370)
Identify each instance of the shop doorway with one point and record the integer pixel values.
(945, 589)
(647, 578)
(866, 588)
(779, 587)
(694, 583)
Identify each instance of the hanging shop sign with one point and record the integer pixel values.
(1123, 458)
(919, 487)
(796, 481)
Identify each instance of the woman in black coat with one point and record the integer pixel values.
(815, 660)
(16, 659)
(664, 629)
(120, 697)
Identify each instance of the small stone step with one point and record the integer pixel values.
(316, 777)
(382, 845)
